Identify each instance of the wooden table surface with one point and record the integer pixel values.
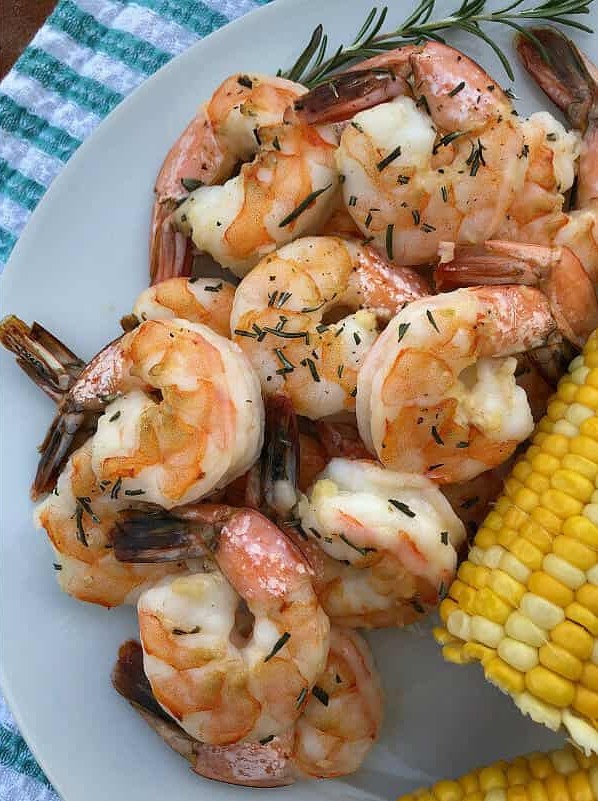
(19, 21)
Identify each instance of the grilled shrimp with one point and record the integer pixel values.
(437, 394)
(397, 533)
(569, 80)
(222, 133)
(178, 410)
(338, 726)
(222, 684)
(279, 313)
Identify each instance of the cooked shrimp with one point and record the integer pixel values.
(336, 730)
(555, 270)
(78, 517)
(397, 528)
(569, 80)
(280, 307)
(437, 394)
(200, 300)
(203, 430)
(222, 133)
(222, 687)
(444, 166)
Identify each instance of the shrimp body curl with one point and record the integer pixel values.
(280, 307)
(437, 394)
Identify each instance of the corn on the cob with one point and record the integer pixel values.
(525, 602)
(565, 775)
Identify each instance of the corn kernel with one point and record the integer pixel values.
(556, 409)
(521, 628)
(517, 772)
(583, 529)
(442, 636)
(469, 783)
(466, 598)
(546, 464)
(489, 605)
(456, 590)
(537, 483)
(454, 654)
(566, 428)
(550, 524)
(556, 787)
(592, 575)
(537, 791)
(447, 791)
(579, 464)
(474, 575)
(491, 777)
(586, 447)
(580, 788)
(589, 676)
(514, 518)
(446, 608)
(574, 638)
(527, 553)
(574, 552)
(557, 445)
(486, 632)
(526, 499)
(477, 796)
(591, 512)
(559, 660)
(517, 792)
(594, 780)
(517, 654)
(459, 624)
(563, 571)
(506, 536)
(476, 652)
(494, 520)
(540, 766)
(514, 568)
(594, 656)
(522, 470)
(588, 596)
(549, 687)
(512, 486)
(540, 712)
(545, 427)
(496, 794)
(577, 412)
(590, 428)
(548, 587)
(540, 611)
(586, 702)
(580, 614)
(506, 587)
(560, 503)
(492, 556)
(504, 676)
(572, 484)
(588, 396)
(564, 761)
(578, 376)
(476, 555)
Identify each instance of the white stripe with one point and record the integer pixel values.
(141, 22)
(16, 786)
(49, 105)
(231, 8)
(12, 218)
(111, 72)
(33, 163)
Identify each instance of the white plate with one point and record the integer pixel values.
(79, 264)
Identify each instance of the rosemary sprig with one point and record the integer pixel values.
(313, 67)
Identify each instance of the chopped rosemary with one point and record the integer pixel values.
(194, 630)
(135, 492)
(357, 126)
(56, 566)
(442, 591)
(431, 319)
(403, 328)
(402, 507)
(444, 193)
(287, 366)
(307, 362)
(438, 439)
(389, 235)
(364, 551)
(320, 694)
(276, 143)
(476, 158)
(353, 392)
(415, 603)
(266, 740)
(551, 137)
(305, 203)
(394, 154)
(435, 466)
(444, 537)
(422, 102)
(462, 445)
(114, 417)
(445, 140)
(241, 333)
(357, 338)
(191, 184)
(245, 81)
(301, 697)
(353, 200)
(338, 679)
(368, 219)
(309, 309)
(278, 332)
(116, 489)
(427, 228)
(214, 288)
(257, 136)
(458, 88)
(339, 370)
(280, 643)
(322, 328)
(403, 179)
(416, 216)
(278, 299)
(524, 151)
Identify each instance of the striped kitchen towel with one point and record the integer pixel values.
(87, 57)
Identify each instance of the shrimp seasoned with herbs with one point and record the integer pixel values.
(339, 723)
(223, 684)
(222, 134)
(437, 393)
(396, 531)
(178, 412)
(280, 310)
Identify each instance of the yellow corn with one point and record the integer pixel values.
(525, 605)
(564, 775)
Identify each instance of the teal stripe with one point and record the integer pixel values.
(57, 77)
(7, 243)
(198, 17)
(15, 754)
(18, 121)
(18, 187)
(85, 29)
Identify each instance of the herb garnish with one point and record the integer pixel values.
(459, 87)
(305, 203)
(320, 694)
(191, 184)
(402, 507)
(438, 439)
(394, 154)
(431, 319)
(280, 643)
(403, 328)
(389, 234)
(364, 551)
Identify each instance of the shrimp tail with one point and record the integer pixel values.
(145, 536)
(341, 97)
(248, 764)
(68, 430)
(556, 271)
(171, 251)
(43, 357)
(280, 456)
(562, 72)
